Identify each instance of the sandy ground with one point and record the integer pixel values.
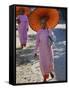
(28, 67)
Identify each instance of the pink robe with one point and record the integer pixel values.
(23, 28)
(45, 51)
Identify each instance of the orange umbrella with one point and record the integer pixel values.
(51, 15)
(27, 10)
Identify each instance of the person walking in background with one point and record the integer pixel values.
(44, 41)
(22, 28)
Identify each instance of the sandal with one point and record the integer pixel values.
(52, 75)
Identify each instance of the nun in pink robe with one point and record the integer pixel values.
(45, 52)
(22, 28)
